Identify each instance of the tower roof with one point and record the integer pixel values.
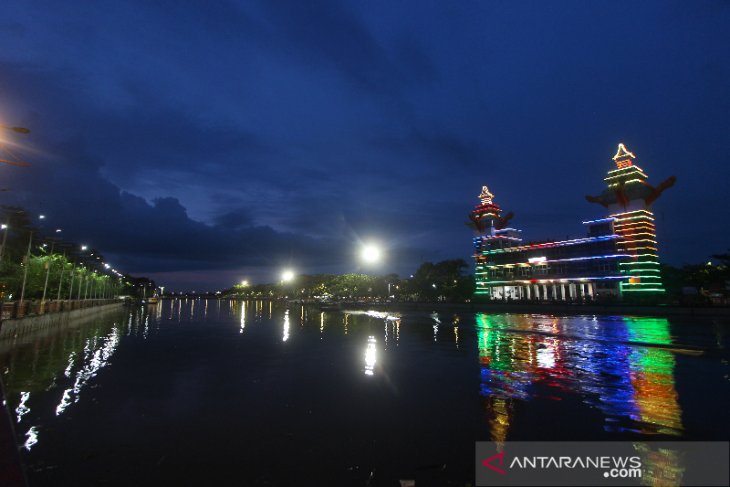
(623, 153)
(623, 157)
(486, 196)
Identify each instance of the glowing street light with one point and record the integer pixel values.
(287, 275)
(19, 130)
(26, 263)
(244, 283)
(371, 253)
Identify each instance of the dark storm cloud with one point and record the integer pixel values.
(327, 31)
(234, 219)
(440, 148)
(242, 136)
(158, 236)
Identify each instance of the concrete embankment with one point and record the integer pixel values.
(15, 328)
(550, 308)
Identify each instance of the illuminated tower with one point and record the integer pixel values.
(629, 198)
(486, 215)
(487, 220)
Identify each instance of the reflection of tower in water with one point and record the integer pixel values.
(652, 377)
(632, 385)
(501, 380)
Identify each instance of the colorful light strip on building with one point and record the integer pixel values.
(621, 247)
(637, 230)
(573, 259)
(544, 245)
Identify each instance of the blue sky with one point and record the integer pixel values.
(201, 143)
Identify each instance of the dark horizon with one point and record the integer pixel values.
(202, 145)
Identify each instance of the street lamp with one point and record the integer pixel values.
(27, 264)
(371, 253)
(85, 278)
(5, 238)
(19, 130)
(60, 279)
(287, 275)
(48, 271)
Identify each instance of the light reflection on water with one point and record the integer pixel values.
(285, 335)
(632, 385)
(371, 353)
(623, 368)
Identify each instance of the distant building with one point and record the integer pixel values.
(618, 256)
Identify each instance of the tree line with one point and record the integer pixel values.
(699, 283)
(441, 281)
(448, 281)
(36, 263)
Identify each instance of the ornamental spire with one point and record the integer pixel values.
(623, 157)
(486, 196)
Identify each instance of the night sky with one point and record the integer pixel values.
(200, 143)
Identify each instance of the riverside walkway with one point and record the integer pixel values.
(17, 320)
(14, 310)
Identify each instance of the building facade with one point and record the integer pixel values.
(617, 257)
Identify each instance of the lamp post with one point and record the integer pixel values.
(86, 287)
(94, 286)
(48, 273)
(78, 297)
(60, 279)
(6, 227)
(82, 278)
(71, 286)
(26, 261)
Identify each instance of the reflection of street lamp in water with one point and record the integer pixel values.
(370, 356)
(285, 336)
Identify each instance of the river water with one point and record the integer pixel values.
(190, 392)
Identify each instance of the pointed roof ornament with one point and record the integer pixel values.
(623, 153)
(623, 157)
(486, 196)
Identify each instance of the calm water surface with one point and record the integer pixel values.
(190, 392)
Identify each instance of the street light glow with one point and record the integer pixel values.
(244, 283)
(84, 247)
(287, 275)
(371, 253)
